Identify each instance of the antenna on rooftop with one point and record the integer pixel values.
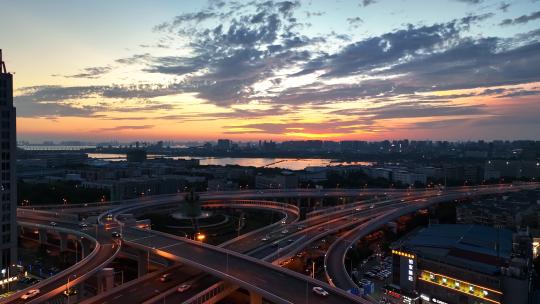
(2, 64)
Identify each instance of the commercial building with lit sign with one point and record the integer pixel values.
(455, 264)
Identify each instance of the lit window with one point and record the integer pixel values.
(410, 278)
(410, 261)
(410, 272)
(410, 267)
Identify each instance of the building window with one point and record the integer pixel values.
(6, 257)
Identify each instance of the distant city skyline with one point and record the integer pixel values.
(274, 70)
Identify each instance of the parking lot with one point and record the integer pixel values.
(377, 269)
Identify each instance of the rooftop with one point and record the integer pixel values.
(475, 247)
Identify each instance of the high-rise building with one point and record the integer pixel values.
(8, 182)
(224, 144)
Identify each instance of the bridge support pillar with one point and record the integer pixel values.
(105, 279)
(85, 248)
(63, 242)
(42, 236)
(255, 298)
(142, 262)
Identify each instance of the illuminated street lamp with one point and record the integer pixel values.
(200, 237)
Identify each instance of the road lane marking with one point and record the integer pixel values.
(146, 237)
(167, 246)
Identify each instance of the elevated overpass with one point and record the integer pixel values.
(264, 279)
(99, 257)
(334, 261)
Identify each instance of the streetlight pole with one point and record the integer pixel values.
(67, 287)
(307, 292)
(227, 265)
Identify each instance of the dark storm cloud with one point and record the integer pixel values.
(251, 42)
(470, 19)
(515, 117)
(355, 22)
(362, 56)
(415, 111)
(470, 64)
(135, 59)
(521, 93)
(55, 101)
(175, 65)
(329, 126)
(522, 19)
(316, 13)
(470, 1)
(30, 108)
(124, 128)
(439, 124)
(90, 72)
(319, 93)
(58, 93)
(367, 2)
(244, 49)
(504, 6)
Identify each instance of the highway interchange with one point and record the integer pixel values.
(244, 261)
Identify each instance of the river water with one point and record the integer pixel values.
(285, 163)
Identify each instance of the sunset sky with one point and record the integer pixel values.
(282, 70)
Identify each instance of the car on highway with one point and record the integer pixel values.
(116, 234)
(165, 277)
(320, 291)
(372, 206)
(24, 280)
(283, 221)
(266, 238)
(30, 294)
(70, 292)
(83, 225)
(52, 223)
(284, 231)
(109, 217)
(183, 287)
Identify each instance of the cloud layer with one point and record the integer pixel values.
(262, 53)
